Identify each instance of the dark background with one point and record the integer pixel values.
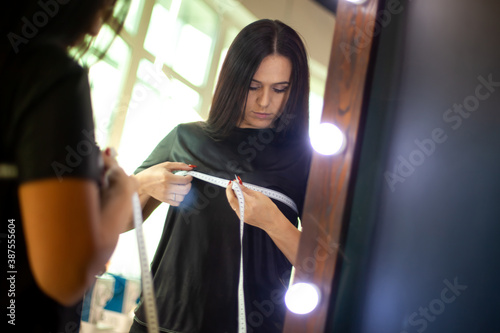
(407, 242)
(331, 5)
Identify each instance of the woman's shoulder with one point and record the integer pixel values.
(40, 70)
(195, 127)
(48, 59)
(37, 68)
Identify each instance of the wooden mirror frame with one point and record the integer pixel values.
(330, 177)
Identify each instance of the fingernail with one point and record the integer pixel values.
(107, 152)
(191, 166)
(241, 183)
(230, 182)
(113, 152)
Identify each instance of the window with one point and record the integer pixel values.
(106, 78)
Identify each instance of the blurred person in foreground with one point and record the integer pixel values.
(63, 201)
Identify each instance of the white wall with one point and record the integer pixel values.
(307, 17)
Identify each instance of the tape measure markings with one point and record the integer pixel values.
(223, 183)
(146, 278)
(242, 327)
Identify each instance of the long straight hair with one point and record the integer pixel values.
(255, 42)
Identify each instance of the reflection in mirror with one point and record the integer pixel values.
(169, 56)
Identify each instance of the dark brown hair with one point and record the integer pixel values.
(66, 22)
(255, 42)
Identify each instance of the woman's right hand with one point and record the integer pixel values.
(161, 183)
(113, 176)
(117, 190)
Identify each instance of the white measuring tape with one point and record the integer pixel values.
(242, 324)
(146, 278)
(147, 283)
(223, 183)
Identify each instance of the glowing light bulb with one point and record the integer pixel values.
(302, 298)
(327, 139)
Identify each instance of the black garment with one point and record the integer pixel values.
(196, 265)
(46, 131)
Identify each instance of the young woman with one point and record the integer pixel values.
(257, 129)
(60, 225)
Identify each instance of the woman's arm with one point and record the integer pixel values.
(71, 229)
(261, 212)
(158, 184)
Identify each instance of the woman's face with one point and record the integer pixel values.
(268, 92)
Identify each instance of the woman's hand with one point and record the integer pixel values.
(160, 183)
(260, 211)
(118, 187)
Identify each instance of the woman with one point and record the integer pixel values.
(61, 226)
(257, 128)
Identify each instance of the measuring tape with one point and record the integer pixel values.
(223, 183)
(242, 326)
(147, 283)
(146, 278)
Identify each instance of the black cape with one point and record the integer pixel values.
(196, 265)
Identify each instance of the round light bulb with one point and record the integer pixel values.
(302, 298)
(327, 139)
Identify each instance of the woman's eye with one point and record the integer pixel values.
(253, 88)
(280, 90)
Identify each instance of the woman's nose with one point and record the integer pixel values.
(264, 98)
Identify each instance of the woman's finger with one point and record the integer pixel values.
(108, 159)
(180, 180)
(179, 189)
(176, 197)
(172, 166)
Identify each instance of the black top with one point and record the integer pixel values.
(196, 265)
(46, 131)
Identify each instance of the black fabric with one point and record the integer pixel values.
(46, 131)
(196, 265)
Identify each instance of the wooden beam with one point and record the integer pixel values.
(330, 175)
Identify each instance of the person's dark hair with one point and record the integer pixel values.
(255, 42)
(66, 22)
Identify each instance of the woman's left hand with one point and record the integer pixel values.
(260, 211)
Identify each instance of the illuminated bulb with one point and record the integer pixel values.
(302, 298)
(357, 2)
(327, 139)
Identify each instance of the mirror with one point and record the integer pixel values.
(122, 111)
(158, 70)
(419, 252)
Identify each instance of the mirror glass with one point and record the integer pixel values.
(162, 70)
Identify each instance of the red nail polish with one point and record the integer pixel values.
(191, 166)
(107, 151)
(241, 183)
(230, 182)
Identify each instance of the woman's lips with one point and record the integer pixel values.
(262, 115)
